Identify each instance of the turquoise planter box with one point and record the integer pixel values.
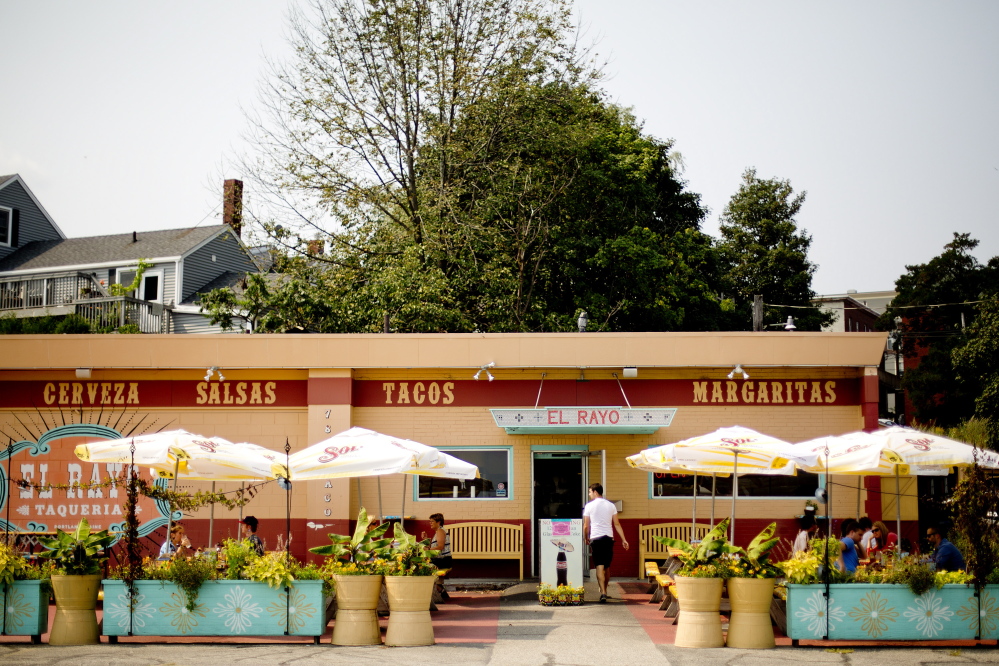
(224, 608)
(26, 608)
(891, 612)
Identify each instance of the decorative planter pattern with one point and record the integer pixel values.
(893, 612)
(223, 608)
(25, 609)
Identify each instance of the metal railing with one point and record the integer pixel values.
(83, 294)
(112, 312)
(56, 289)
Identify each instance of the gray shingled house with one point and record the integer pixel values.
(44, 273)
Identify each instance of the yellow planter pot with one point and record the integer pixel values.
(356, 600)
(409, 605)
(75, 621)
(699, 624)
(749, 626)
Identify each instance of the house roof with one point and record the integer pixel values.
(15, 178)
(4, 179)
(103, 249)
(236, 282)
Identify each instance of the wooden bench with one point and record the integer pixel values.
(650, 549)
(487, 541)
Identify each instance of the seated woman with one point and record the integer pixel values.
(883, 541)
(441, 541)
(177, 544)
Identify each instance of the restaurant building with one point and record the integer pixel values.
(542, 415)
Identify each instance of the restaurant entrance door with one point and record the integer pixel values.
(560, 480)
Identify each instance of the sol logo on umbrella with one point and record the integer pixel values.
(332, 453)
(920, 444)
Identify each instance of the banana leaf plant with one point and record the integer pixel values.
(410, 556)
(754, 561)
(80, 552)
(364, 546)
(711, 547)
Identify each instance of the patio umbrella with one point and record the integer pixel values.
(726, 448)
(650, 460)
(361, 452)
(894, 451)
(175, 454)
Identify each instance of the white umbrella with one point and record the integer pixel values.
(178, 453)
(726, 448)
(361, 452)
(894, 451)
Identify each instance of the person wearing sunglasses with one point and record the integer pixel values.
(883, 541)
(945, 554)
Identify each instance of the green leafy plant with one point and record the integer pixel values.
(237, 554)
(188, 573)
(272, 569)
(13, 566)
(80, 552)
(409, 556)
(311, 572)
(363, 546)
(754, 562)
(694, 557)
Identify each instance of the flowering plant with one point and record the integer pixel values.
(373, 567)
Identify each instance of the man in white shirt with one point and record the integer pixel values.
(599, 522)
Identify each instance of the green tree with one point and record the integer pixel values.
(764, 253)
(935, 302)
(976, 360)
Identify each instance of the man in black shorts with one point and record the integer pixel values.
(599, 522)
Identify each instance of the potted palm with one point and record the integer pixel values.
(79, 556)
(410, 583)
(357, 566)
(699, 587)
(25, 595)
(751, 591)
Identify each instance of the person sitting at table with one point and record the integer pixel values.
(177, 544)
(250, 524)
(883, 541)
(802, 541)
(945, 554)
(850, 548)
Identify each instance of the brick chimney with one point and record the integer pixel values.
(232, 204)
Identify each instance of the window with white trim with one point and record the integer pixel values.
(6, 226)
(151, 287)
(494, 482)
(760, 486)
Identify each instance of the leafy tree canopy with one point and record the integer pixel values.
(764, 252)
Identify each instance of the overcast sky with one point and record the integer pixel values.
(120, 115)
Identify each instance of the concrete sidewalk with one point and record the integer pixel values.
(496, 627)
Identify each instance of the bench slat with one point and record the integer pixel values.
(487, 541)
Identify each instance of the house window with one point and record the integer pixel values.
(494, 482)
(6, 226)
(757, 486)
(151, 287)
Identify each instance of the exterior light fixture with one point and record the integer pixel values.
(583, 320)
(737, 370)
(83, 373)
(485, 369)
(212, 370)
(221, 376)
(630, 372)
(789, 326)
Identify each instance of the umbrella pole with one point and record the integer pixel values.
(714, 487)
(859, 479)
(381, 516)
(211, 522)
(176, 469)
(898, 513)
(360, 502)
(693, 518)
(735, 491)
(402, 514)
